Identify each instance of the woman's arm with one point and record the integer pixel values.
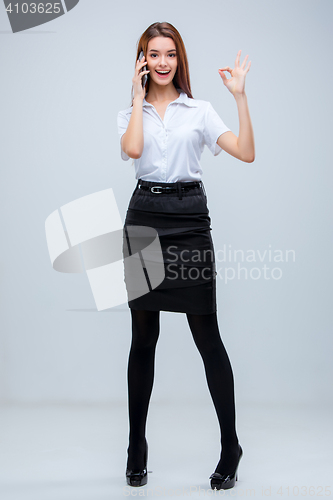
(241, 147)
(132, 139)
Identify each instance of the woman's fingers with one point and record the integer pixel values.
(141, 64)
(237, 59)
(239, 71)
(139, 70)
(226, 68)
(248, 67)
(222, 75)
(244, 62)
(138, 77)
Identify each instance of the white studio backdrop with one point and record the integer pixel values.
(62, 86)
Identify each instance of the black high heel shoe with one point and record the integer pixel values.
(225, 481)
(138, 477)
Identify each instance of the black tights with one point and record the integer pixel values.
(141, 362)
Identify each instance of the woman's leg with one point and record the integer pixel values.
(140, 377)
(220, 381)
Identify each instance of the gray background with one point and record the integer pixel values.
(62, 85)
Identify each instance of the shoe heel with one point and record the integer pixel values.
(139, 478)
(225, 481)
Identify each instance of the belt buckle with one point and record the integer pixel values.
(156, 187)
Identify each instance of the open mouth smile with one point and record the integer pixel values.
(162, 74)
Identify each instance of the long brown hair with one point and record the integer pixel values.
(181, 80)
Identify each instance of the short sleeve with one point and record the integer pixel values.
(214, 127)
(122, 123)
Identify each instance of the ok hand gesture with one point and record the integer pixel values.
(236, 84)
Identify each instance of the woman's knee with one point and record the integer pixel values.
(145, 328)
(205, 332)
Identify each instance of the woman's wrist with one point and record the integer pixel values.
(138, 99)
(240, 96)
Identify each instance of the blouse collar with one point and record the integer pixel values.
(183, 98)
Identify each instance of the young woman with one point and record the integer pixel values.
(165, 131)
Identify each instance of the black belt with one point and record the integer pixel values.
(161, 189)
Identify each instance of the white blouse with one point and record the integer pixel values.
(173, 146)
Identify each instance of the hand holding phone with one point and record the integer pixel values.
(139, 79)
(144, 78)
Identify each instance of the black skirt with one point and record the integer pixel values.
(169, 258)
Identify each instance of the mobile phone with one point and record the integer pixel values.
(144, 68)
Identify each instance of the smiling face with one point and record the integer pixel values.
(161, 60)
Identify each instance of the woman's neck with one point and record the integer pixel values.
(159, 93)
